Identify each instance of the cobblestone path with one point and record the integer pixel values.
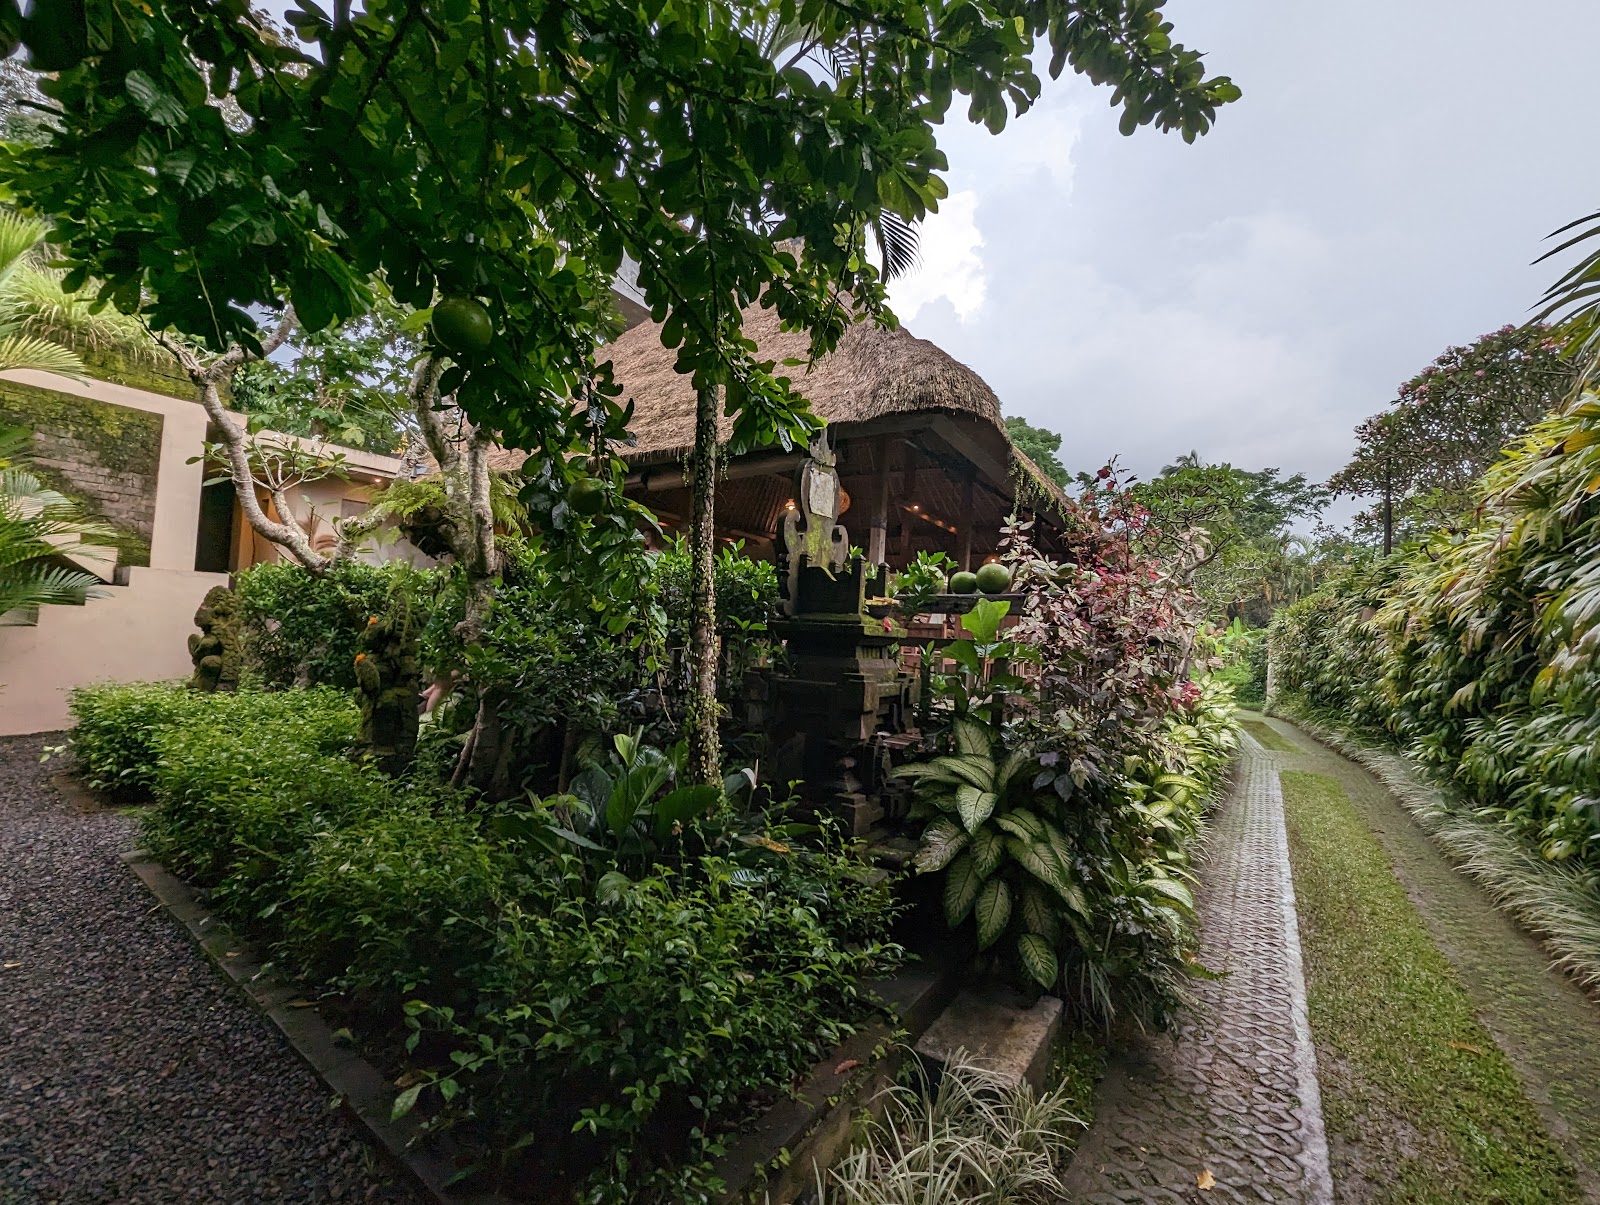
(130, 1074)
(1545, 1025)
(1230, 1111)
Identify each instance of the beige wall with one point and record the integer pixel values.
(139, 631)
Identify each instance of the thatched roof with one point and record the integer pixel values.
(872, 373)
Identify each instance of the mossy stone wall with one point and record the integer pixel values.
(103, 456)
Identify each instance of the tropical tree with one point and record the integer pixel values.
(38, 525)
(510, 154)
(1252, 561)
(1422, 457)
(1039, 445)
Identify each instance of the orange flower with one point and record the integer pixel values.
(360, 657)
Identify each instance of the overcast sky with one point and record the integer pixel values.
(1377, 195)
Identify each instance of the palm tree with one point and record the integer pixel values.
(43, 327)
(38, 525)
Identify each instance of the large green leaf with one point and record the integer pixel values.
(933, 771)
(972, 737)
(1037, 861)
(1172, 890)
(988, 850)
(1038, 959)
(1017, 762)
(973, 769)
(1038, 912)
(1020, 822)
(992, 910)
(975, 806)
(942, 841)
(961, 885)
(983, 621)
(682, 805)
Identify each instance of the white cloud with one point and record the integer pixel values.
(950, 266)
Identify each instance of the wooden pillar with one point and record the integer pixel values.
(878, 537)
(908, 489)
(964, 523)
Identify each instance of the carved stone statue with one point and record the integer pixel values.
(215, 649)
(388, 684)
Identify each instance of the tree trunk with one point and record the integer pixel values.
(1388, 511)
(705, 758)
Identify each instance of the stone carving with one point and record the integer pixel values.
(215, 650)
(389, 683)
(811, 534)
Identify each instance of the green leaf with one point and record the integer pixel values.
(970, 768)
(1038, 911)
(683, 805)
(988, 851)
(993, 910)
(1171, 889)
(974, 805)
(405, 1102)
(1020, 822)
(941, 842)
(1038, 959)
(983, 621)
(972, 738)
(613, 885)
(960, 889)
(158, 105)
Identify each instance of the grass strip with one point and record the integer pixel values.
(1269, 737)
(1420, 1104)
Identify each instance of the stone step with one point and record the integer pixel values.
(999, 1030)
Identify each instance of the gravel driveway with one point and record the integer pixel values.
(129, 1073)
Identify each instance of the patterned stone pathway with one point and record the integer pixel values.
(1231, 1110)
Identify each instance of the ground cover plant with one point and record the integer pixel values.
(966, 1138)
(592, 1024)
(1421, 1106)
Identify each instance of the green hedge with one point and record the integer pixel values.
(117, 738)
(592, 1033)
(1475, 653)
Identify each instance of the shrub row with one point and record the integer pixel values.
(604, 1031)
(1474, 652)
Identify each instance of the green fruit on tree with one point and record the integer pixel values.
(587, 496)
(964, 583)
(994, 578)
(462, 324)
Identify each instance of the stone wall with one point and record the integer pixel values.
(103, 456)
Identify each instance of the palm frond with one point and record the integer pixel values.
(1574, 300)
(27, 351)
(33, 302)
(46, 585)
(900, 243)
(18, 236)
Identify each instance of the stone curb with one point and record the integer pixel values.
(775, 1162)
(365, 1093)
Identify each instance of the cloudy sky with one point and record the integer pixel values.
(1378, 194)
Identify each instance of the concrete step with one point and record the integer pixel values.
(98, 559)
(999, 1030)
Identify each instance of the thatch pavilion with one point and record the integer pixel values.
(923, 455)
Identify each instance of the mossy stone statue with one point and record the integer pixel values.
(216, 649)
(390, 684)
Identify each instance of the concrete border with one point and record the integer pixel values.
(365, 1093)
(775, 1162)
(772, 1163)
